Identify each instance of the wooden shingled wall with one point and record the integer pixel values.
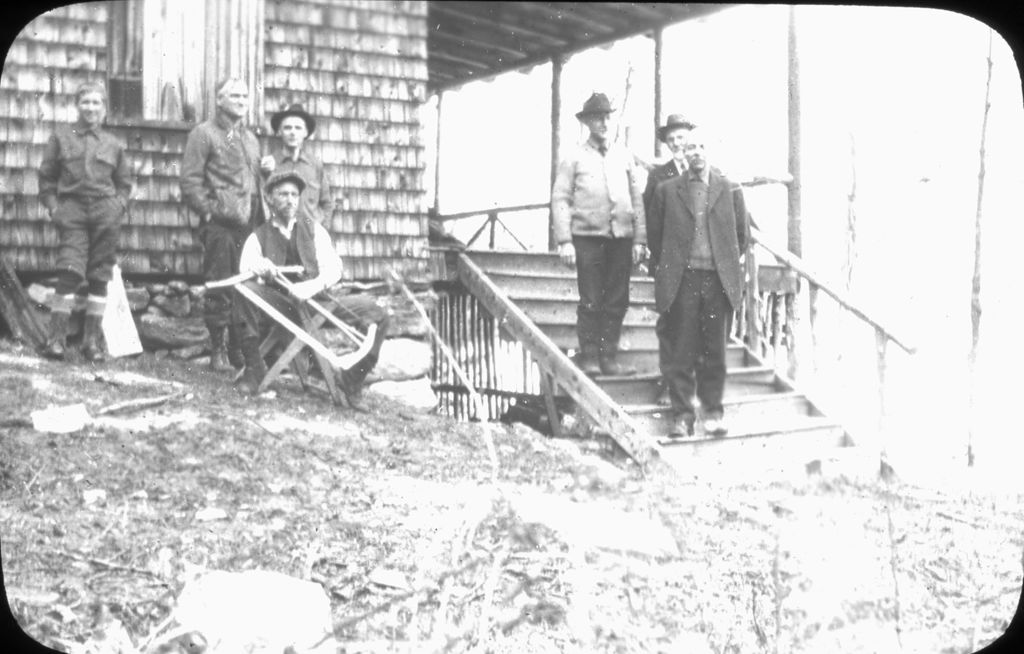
(360, 66)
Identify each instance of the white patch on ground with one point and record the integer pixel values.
(19, 360)
(41, 384)
(280, 424)
(150, 420)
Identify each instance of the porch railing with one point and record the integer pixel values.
(492, 221)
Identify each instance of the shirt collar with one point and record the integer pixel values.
(704, 175)
(283, 156)
(285, 230)
(222, 121)
(81, 128)
(596, 147)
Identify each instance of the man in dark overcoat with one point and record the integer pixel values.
(697, 231)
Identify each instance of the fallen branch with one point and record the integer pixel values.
(138, 404)
(892, 568)
(110, 565)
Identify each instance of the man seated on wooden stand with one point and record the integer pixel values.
(287, 240)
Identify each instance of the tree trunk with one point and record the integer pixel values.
(976, 279)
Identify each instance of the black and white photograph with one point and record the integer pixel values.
(430, 326)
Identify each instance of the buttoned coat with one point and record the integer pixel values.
(658, 174)
(671, 228)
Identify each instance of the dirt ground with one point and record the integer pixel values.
(396, 516)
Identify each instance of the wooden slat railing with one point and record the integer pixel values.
(492, 221)
(558, 368)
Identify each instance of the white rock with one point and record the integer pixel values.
(94, 496)
(60, 419)
(401, 359)
(210, 514)
(415, 394)
(257, 611)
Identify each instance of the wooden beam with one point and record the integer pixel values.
(437, 158)
(793, 232)
(475, 43)
(556, 16)
(466, 63)
(794, 262)
(556, 132)
(608, 415)
(472, 19)
(658, 34)
(16, 308)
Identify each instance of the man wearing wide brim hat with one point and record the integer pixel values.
(294, 126)
(598, 216)
(673, 135)
(288, 240)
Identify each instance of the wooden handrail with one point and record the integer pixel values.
(481, 212)
(796, 264)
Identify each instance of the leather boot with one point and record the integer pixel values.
(610, 331)
(351, 383)
(610, 364)
(235, 356)
(92, 345)
(255, 368)
(56, 344)
(218, 351)
(587, 360)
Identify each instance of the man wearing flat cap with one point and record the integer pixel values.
(289, 240)
(598, 216)
(294, 126)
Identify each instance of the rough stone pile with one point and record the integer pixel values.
(169, 318)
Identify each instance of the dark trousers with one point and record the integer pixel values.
(88, 229)
(359, 311)
(222, 247)
(692, 338)
(602, 274)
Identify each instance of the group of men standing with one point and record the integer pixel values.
(692, 224)
(257, 215)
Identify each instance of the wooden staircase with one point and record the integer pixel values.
(768, 418)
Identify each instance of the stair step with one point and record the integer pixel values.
(563, 285)
(644, 388)
(752, 449)
(563, 310)
(656, 419)
(518, 262)
(646, 360)
(633, 337)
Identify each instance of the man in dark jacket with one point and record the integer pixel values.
(698, 230)
(673, 135)
(220, 181)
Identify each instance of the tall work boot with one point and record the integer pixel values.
(56, 344)
(608, 357)
(235, 356)
(586, 332)
(92, 341)
(255, 367)
(218, 350)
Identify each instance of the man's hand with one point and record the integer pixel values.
(267, 164)
(264, 267)
(305, 290)
(639, 253)
(567, 253)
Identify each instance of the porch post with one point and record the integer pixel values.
(794, 239)
(437, 159)
(556, 129)
(657, 89)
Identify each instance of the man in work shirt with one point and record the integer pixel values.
(598, 216)
(699, 229)
(287, 240)
(220, 181)
(84, 183)
(294, 126)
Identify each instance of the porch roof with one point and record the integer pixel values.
(476, 40)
